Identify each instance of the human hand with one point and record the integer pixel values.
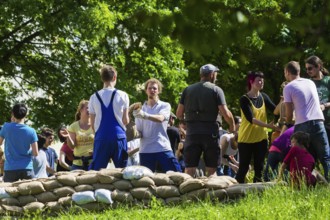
(140, 114)
(64, 132)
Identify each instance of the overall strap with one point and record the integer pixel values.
(113, 95)
(99, 98)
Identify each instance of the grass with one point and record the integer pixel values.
(280, 202)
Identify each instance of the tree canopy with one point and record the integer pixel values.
(51, 51)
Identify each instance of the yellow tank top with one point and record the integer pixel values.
(251, 133)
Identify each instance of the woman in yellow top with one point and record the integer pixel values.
(252, 134)
(81, 138)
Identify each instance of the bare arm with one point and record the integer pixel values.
(228, 116)
(1, 140)
(92, 118)
(289, 112)
(180, 112)
(125, 117)
(277, 110)
(270, 125)
(34, 147)
(62, 162)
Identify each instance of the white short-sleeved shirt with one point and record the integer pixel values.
(303, 94)
(120, 102)
(154, 136)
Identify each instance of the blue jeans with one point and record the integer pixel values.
(319, 143)
(273, 160)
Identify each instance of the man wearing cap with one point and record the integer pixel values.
(199, 106)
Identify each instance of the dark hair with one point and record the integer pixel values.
(251, 76)
(41, 140)
(107, 73)
(302, 138)
(60, 136)
(19, 110)
(317, 62)
(293, 67)
(46, 132)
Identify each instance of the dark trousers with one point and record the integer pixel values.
(247, 151)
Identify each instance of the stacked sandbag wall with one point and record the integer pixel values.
(99, 190)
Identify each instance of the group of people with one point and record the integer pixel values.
(98, 134)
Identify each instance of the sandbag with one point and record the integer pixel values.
(10, 201)
(167, 191)
(217, 182)
(123, 185)
(23, 200)
(104, 186)
(94, 206)
(136, 172)
(3, 193)
(103, 196)
(178, 177)
(143, 182)
(81, 188)
(46, 197)
(191, 185)
(33, 207)
(161, 179)
(64, 191)
(115, 172)
(65, 201)
(31, 188)
(218, 194)
(89, 178)
(81, 198)
(173, 200)
(51, 184)
(195, 195)
(141, 193)
(12, 191)
(5, 184)
(237, 191)
(67, 180)
(121, 196)
(53, 206)
(106, 179)
(13, 210)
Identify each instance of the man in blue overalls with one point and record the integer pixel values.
(108, 109)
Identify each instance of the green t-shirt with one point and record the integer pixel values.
(323, 90)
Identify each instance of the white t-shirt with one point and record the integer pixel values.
(229, 150)
(120, 102)
(40, 164)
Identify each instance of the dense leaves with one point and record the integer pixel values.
(51, 51)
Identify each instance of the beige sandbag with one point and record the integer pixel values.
(115, 172)
(104, 186)
(23, 200)
(53, 206)
(167, 191)
(33, 207)
(106, 179)
(89, 178)
(217, 182)
(123, 185)
(178, 177)
(64, 191)
(257, 187)
(237, 191)
(67, 180)
(51, 184)
(143, 182)
(195, 195)
(17, 183)
(46, 197)
(141, 193)
(218, 194)
(65, 201)
(12, 191)
(81, 188)
(2, 210)
(191, 185)
(231, 179)
(10, 201)
(72, 173)
(121, 196)
(5, 184)
(173, 200)
(31, 188)
(13, 210)
(162, 179)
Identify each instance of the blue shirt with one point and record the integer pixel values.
(18, 139)
(51, 156)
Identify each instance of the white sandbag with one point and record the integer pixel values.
(81, 198)
(3, 194)
(136, 172)
(103, 196)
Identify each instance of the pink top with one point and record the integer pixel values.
(68, 151)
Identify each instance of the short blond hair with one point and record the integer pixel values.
(154, 81)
